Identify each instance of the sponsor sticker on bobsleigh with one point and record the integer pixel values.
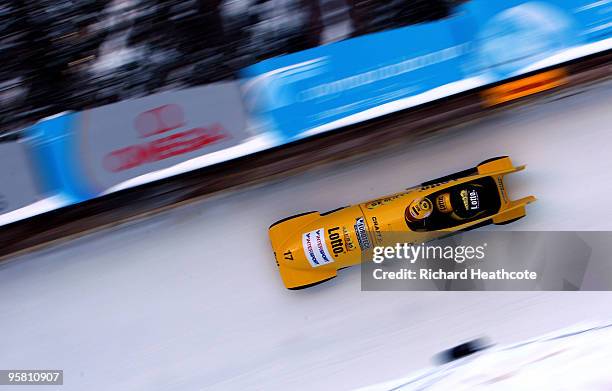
(315, 248)
(362, 234)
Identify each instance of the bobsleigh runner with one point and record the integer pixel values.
(311, 247)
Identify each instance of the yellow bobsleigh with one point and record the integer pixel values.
(311, 247)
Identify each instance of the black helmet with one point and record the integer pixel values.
(464, 201)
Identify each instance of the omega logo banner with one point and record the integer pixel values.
(164, 137)
(122, 141)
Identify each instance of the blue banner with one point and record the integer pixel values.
(513, 37)
(331, 86)
(294, 94)
(54, 154)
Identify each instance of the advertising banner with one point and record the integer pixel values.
(514, 37)
(349, 81)
(483, 42)
(100, 150)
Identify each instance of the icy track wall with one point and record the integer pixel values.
(74, 157)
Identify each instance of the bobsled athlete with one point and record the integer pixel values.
(462, 202)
